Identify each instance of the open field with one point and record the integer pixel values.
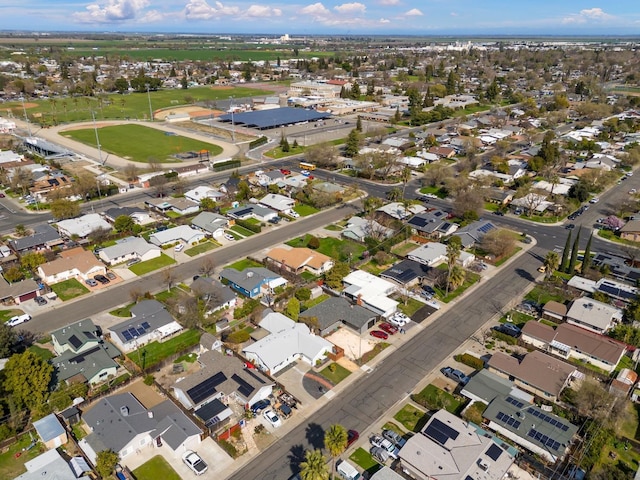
(54, 111)
(139, 143)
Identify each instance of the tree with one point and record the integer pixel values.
(13, 274)
(131, 172)
(8, 338)
(456, 277)
(124, 223)
(333, 278)
(335, 441)
(551, 262)
(566, 251)
(352, 144)
(498, 242)
(596, 402)
(63, 208)
(21, 231)
(168, 277)
(322, 154)
(314, 466)
(293, 308)
(27, 379)
(99, 235)
(184, 83)
(207, 266)
(106, 461)
(574, 254)
(359, 124)
(586, 261)
(160, 187)
(31, 260)
(613, 223)
(207, 204)
(244, 191)
(121, 85)
(454, 247)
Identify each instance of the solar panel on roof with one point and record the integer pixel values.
(206, 388)
(127, 336)
(274, 117)
(141, 331)
(494, 452)
(89, 335)
(565, 428)
(440, 432)
(515, 402)
(244, 387)
(254, 376)
(133, 332)
(75, 342)
(145, 325)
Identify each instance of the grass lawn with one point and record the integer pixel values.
(305, 210)
(364, 460)
(243, 264)
(334, 228)
(245, 232)
(433, 398)
(308, 276)
(394, 427)
(434, 190)
(154, 352)
(124, 312)
(140, 144)
(165, 295)
(469, 280)
(411, 418)
(517, 318)
(78, 431)
(277, 152)
(10, 466)
(7, 314)
(404, 248)
(506, 257)
(542, 295)
(371, 354)
(373, 268)
(335, 248)
(69, 289)
(336, 376)
(156, 468)
(143, 268)
(43, 353)
(315, 301)
(201, 248)
(411, 307)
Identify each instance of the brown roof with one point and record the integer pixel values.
(631, 226)
(555, 307)
(598, 346)
(298, 257)
(537, 369)
(539, 331)
(69, 259)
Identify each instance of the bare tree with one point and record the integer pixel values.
(131, 172)
(135, 294)
(168, 277)
(499, 242)
(207, 266)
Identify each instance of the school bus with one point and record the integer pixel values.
(307, 166)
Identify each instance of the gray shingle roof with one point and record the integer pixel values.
(84, 331)
(249, 278)
(209, 222)
(41, 234)
(339, 309)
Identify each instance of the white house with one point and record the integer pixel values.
(201, 192)
(278, 202)
(592, 315)
(182, 233)
(371, 292)
(72, 263)
(82, 226)
(433, 253)
(129, 248)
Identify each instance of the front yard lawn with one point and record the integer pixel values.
(7, 314)
(143, 268)
(155, 352)
(433, 398)
(339, 373)
(544, 293)
(43, 353)
(411, 307)
(201, 248)
(469, 280)
(411, 418)
(245, 232)
(156, 468)
(69, 289)
(243, 264)
(305, 210)
(364, 460)
(517, 318)
(124, 312)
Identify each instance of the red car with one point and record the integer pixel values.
(386, 327)
(352, 436)
(284, 171)
(379, 334)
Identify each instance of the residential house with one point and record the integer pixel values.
(51, 431)
(269, 177)
(370, 292)
(129, 248)
(210, 223)
(499, 196)
(201, 192)
(73, 263)
(81, 227)
(397, 211)
(122, 424)
(183, 206)
(76, 337)
(252, 282)
(298, 260)
(433, 253)
(432, 224)
(335, 312)
(443, 152)
(538, 373)
(149, 321)
(406, 273)
(359, 228)
(287, 342)
(554, 311)
(278, 202)
(624, 382)
(473, 233)
(631, 231)
(215, 295)
(42, 236)
(42, 187)
(139, 215)
(484, 386)
(570, 341)
(18, 292)
(449, 448)
(592, 315)
(221, 377)
(245, 212)
(50, 465)
(181, 233)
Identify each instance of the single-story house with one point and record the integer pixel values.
(184, 206)
(252, 282)
(592, 315)
(197, 194)
(406, 272)
(538, 373)
(287, 342)
(210, 223)
(150, 321)
(18, 292)
(81, 227)
(52, 466)
(73, 263)
(631, 231)
(278, 202)
(398, 211)
(76, 337)
(129, 248)
(432, 224)
(42, 236)
(245, 212)
(122, 424)
(433, 253)
(51, 431)
(554, 311)
(571, 341)
(139, 215)
(181, 233)
(336, 312)
(298, 260)
(215, 295)
(359, 228)
(474, 232)
(624, 382)
(221, 377)
(370, 292)
(484, 386)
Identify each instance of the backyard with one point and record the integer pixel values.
(155, 352)
(69, 289)
(143, 268)
(156, 469)
(12, 460)
(340, 250)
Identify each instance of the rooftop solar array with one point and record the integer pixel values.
(254, 376)
(207, 388)
(134, 332)
(244, 387)
(615, 291)
(486, 228)
(75, 342)
(508, 420)
(275, 117)
(440, 432)
(544, 440)
(546, 418)
(514, 402)
(494, 452)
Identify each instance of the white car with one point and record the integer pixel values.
(431, 195)
(18, 319)
(194, 462)
(294, 214)
(271, 417)
(229, 237)
(306, 173)
(179, 247)
(399, 319)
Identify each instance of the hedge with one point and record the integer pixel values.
(504, 337)
(240, 336)
(254, 227)
(257, 142)
(470, 361)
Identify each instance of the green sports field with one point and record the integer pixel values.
(141, 144)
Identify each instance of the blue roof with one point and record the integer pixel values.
(273, 118)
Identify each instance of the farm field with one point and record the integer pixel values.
(139, 143)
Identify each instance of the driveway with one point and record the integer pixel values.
(353, 345)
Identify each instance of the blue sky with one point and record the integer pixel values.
(297, 17)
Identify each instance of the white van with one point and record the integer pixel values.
(347, 471)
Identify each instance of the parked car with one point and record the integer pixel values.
(456, 375)
(380, 454)
(284, 171)
(260, 405)
(41, 301)
(18, 319)
(229, 237)
(352, 436)
(428, 290)
(274, 220)
(500, 213)
(2, 195)
(111, 276)
(294, 214)
(271, 417)
(101, 278)
(306, 173)
(378, 441)
(594, 200)
(91, 282)
(570, 226)
(179, 247)
(508, 329)
(194, 462)
(394, 437)
(379, 334)
(133, 261)
(399, 319)
(388, 328)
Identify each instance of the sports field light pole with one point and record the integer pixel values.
(149, 98)
(26, 119)
(95, 129)
(233, 125)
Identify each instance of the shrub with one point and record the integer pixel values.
(229, 448)
(303, 294)
(313, 243)
(240, 336)
(470, 361)
(259, 429)
(6, 432)
(149, 379)
(253, 227)
(247, 308)
(332, 368)
(258, 142)
(504, 337)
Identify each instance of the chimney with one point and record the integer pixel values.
(359, 299)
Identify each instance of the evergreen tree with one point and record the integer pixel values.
(172, 73)
(451, 83)
(359, 124)
(285, 146)
(352, 145)
(355, 91)
(371, 89)
(574, 254)
(565, 254)
(586, 262)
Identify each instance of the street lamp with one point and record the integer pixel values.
(233, 125)
(26, 119)
(149, 98)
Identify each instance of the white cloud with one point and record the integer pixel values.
(316, 10)
(384, 20)
(201, 10)
(350, 8)
(112, 11)
(262, 11)
(414, 12)
(588, 15)
(454, 14)
(388, 2)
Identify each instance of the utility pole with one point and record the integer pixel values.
(149, 98)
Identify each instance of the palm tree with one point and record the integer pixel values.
(405, 176)
(314, 466)
(456, 277)
(454, 246)
(335, 441)
(551, 263)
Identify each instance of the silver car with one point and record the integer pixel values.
(380, 454)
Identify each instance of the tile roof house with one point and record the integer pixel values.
(538, 373)
(286, 343)
(222, 377)
(252, 282)
(298, 260)
(42, 236)
(129, 248)
(449, 448)
(51, 431)
(432, 224)
(73, 263)
(82, 227)
(359, 228)
(181, 233)
(592, 315)
(336, 312)
(210, 223)
(570, 341)
(122, 424)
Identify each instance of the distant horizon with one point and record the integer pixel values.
(325, 17)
